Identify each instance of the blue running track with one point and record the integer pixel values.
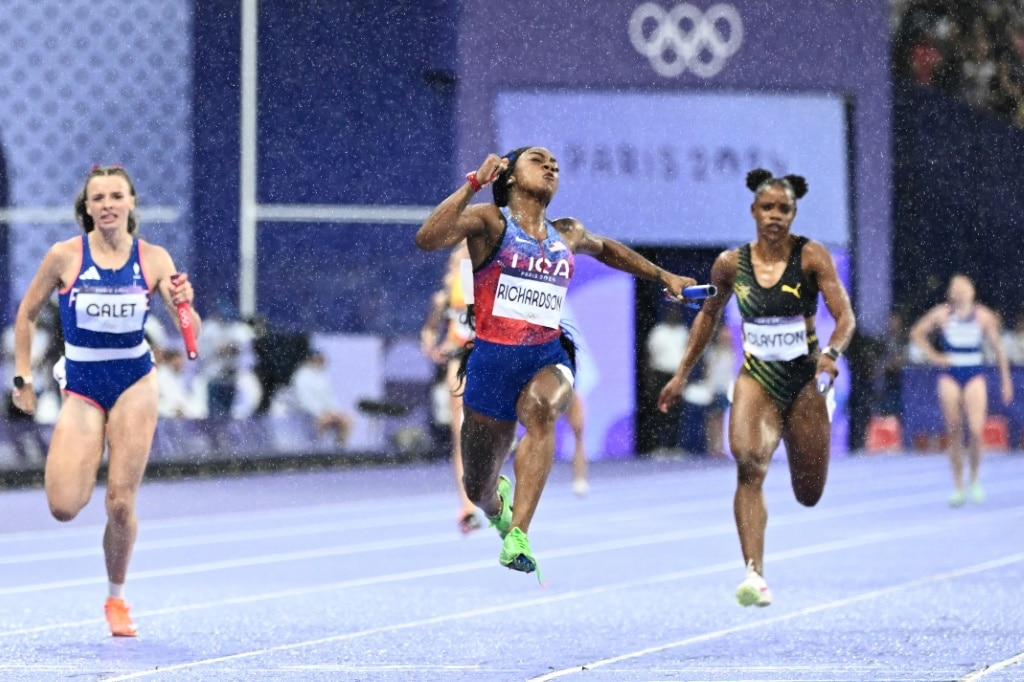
(361, 574)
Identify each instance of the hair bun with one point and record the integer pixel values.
(799, 185)
(757, 177)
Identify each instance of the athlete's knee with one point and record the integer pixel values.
(540, 410)
(64, 512)
(750, 469)
(478, 489)
(808, 485)
(64, 506)
(808, 495)
(120, 505)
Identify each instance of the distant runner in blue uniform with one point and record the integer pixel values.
(963, 326)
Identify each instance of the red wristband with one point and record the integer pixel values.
(473, 182)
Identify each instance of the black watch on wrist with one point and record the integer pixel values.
(831, 352)
(19, 382)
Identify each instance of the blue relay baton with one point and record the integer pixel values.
(824, 382)
(696, 292)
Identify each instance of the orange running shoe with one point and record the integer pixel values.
(120, 622)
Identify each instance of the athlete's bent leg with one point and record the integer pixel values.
(485, 446)
(976, 410)
(807, 435)
(455, 404)
(755, 429)
(130, 428)
(546, 397)
(76, 449)
(951, 402)
(575, 417)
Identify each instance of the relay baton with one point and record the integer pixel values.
(700, 291)
(696, 292)
(824, 382)
(188, 332)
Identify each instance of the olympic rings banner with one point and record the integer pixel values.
(685, 38)
(747, 48)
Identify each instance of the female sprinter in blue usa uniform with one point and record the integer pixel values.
(521, 366)
(105, 279)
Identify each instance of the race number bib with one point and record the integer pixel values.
(530, 300)
(113, 313)
(775, 338)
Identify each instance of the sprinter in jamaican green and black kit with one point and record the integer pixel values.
(778, 348)
(781, 394)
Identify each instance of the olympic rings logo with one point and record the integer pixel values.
(684, 38)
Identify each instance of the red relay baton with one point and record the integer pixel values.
(188, 332)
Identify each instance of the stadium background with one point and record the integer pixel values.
(285, 155)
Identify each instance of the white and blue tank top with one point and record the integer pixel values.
(962, 339)
(103, 311)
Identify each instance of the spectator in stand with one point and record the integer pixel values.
(665, 345)
(979, 68)
(312, 391)
(42, 342)
(973, 51)
(179, 397)
(719, 374)
(228, 362)
(1013, 341)
(888, 372)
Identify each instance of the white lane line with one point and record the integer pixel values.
(615, 515)
(319, 553)
(799, 518)
(238, 536)
(588, 592)
(993, 668)
(417, 502)
(838, 603)
(611, 517)
(400, 543)
(819, 548)
(281, 514)
(373, 522)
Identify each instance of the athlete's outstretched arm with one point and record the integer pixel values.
(723, 274)
(454, 219)
(617, 255)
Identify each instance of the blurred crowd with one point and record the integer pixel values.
(243, 370)
(972, 50)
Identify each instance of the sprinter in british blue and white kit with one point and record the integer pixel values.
(103, 314)
(105, 279)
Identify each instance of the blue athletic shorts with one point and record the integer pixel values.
(496, 374)
(102, 383)
(962, 375)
